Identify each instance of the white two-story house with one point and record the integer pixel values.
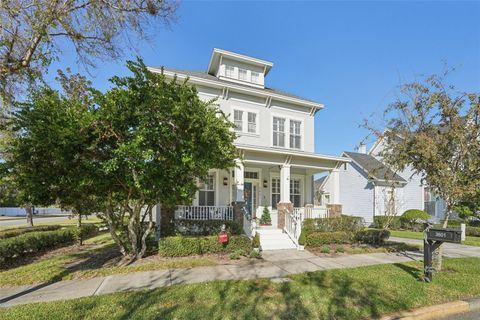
(275, 142)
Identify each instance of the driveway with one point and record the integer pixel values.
(452, 250)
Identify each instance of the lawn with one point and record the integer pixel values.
(471, 241)
(333, 294)
(75, 263)
(60, 222)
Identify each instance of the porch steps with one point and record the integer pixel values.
(274, 239)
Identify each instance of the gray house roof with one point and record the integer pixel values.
(374, 168)
(206, 76)
(319, 182)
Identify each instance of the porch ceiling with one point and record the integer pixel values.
(298, 159)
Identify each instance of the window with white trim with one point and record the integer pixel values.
(295, 134)
(255, 77)
(275, 192)
(229, 71)
(238, 120)
(252, 122)
(278, 132)
(295, 192)
(242, 74)
(206, 192)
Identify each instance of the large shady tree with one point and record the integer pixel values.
(435, 129)
(145, 141)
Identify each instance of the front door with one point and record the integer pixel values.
(250, 197)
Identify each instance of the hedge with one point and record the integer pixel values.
(181, 246)
(206, 227)
(349, 224)
(380, 221)
(318, 239)
(472, 231)
(374, 237)
(19, 231)
(33, 242)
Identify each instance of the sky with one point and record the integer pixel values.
(350, 56)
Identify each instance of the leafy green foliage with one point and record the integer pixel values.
(349, 224)
(180, 246)
(414, 217)
(256, 240)
(302, 238)
(381, 221)
(373, 237)
(325, 249)
(265, 219)
(318, 239)
(9, 233)
(340, 249)
(187, 227)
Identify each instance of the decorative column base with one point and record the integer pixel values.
(335, 210)
(281, 207)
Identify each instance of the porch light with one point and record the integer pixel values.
(265, 183)
(225, 181)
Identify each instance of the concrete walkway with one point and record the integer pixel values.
(451, 250)
(275, 265)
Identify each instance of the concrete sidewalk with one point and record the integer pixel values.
(275, 264)
(451, 250)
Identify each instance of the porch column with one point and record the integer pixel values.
(238, 201)
(335, 207)
(284, 203)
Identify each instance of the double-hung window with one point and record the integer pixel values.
(242, 74)
(295, 192)
(295, 134)
(278, 132)
(206, 193)
(255, 77)
(229, 71)
(275, 192)
(252, 122)
(238, 120)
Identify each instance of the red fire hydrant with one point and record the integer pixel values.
(223, 237)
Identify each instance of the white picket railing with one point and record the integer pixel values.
(204, 212)
(293, 224)
(315, 212)
(249, 224)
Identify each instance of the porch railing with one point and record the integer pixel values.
(315, 212)
(205, 212)
(248, 224)
(293, 224)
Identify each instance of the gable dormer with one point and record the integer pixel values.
(234, 67)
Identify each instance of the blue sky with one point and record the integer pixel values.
(351, 56)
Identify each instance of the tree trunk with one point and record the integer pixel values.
(79, 226)
(29, 211)
(440, 250)
(146, 234)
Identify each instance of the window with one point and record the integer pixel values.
(252, 122)
(295, 135)
(275, 192)
(255, 77)
(238, 120)
(390, 202)
(278, 132)
(251, 175)
(206, 193)
(242, 74)
(295, 195)
(229, 70)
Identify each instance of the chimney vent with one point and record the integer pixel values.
(362, 148)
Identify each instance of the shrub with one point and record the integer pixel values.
(340, 249)
(85, 231)
(325, 249)
(206, 227)
(256, 240)
(474, 223)
(472, 231)
(266, 219)
(235, 255)
(19, 231)
(180, 246)
(342, 223)
(413, 216)
(380, 222)
(374, 237)
(255, 254)
(302, 238)
(318, 239)
(34, 242)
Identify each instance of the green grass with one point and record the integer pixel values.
(53, 268)
(358, 293)
(471, 241)
(61, 222)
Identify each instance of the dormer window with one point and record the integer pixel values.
(229, 71)
(242, 74)
(255, 77)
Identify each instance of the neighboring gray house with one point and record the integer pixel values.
(368, 188)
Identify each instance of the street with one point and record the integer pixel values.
(36, 219)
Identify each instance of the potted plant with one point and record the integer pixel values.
(256, 242)
(265, 220)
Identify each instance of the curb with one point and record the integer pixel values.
(438, 311)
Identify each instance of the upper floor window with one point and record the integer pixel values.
(278, 132)
(252, 122)
(229, 71)
(255, 77)
(242, 74)
(238, 120)
(295, 134)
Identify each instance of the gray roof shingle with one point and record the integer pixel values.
(206, 76)
(374, 168)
